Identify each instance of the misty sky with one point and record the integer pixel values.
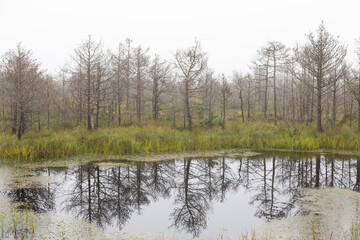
(230, 31)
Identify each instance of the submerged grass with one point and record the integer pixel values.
(161, 138)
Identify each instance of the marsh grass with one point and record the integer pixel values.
(354, 232)
(16, 219)
(31, 218)
(162, 138)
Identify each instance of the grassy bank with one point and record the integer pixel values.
(161, 138)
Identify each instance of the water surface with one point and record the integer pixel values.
(190, 197)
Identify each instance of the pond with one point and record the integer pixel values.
(183, 198)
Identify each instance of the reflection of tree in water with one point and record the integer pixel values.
(39, 199)
(266, 191)
(191, 200)
(109, 196)
(162, 179)
(226, 178)
(357, 182)
(276, 182)
(90, 198)
(202, 181)
(121, 208)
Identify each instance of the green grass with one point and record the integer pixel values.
(159, 137)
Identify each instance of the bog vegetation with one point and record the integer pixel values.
(124, 101)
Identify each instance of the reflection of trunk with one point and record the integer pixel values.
(349, 164)
(210, 183)
(186, 189)
(89, 194)
(186, 179)
(272, 187)
(317, 177)
(156, 167)
(223, 187)
(357, 184)
(81, 186)
(247, 173)
(332, 173)
(98, 192)
(265, 195)
(119, 193)
(326, 172)
(138, 186)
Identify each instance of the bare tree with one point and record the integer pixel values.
(22, 81)
(159, 74)
(225, 93)
(87, 58)
(240, 85)
(117, 63)
(141, 60)
(279, 55)
(263, 67)
(191, 62)
(321, 56)
(353, 80)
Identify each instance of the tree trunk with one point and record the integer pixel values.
(319, 110)
(187, 105)
(334, 105)
(248, 102)
(21, 123)
(266, 89)
(14, 119)
(275, 117)
(242, 106)
(359, 116)
(89, 126)
(224, 113)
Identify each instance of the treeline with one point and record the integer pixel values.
(98, 87)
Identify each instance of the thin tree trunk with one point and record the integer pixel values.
(242, 106)
(275, 117)
(319, 109)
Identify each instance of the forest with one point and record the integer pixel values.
(303, 97)
(116, 123)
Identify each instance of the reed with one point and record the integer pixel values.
(157, 138)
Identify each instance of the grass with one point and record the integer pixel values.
(160, 137)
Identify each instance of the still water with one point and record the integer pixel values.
(190, 197)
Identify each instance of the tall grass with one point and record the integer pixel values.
(161, 138)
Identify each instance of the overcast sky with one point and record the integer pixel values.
(230, 30)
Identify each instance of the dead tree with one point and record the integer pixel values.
(141, 60)
(279, 54)
(22, 83)
(191, 63)
(240, 85)
(225, 93)
(86, 60)
(159, 74)
(320, 57)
